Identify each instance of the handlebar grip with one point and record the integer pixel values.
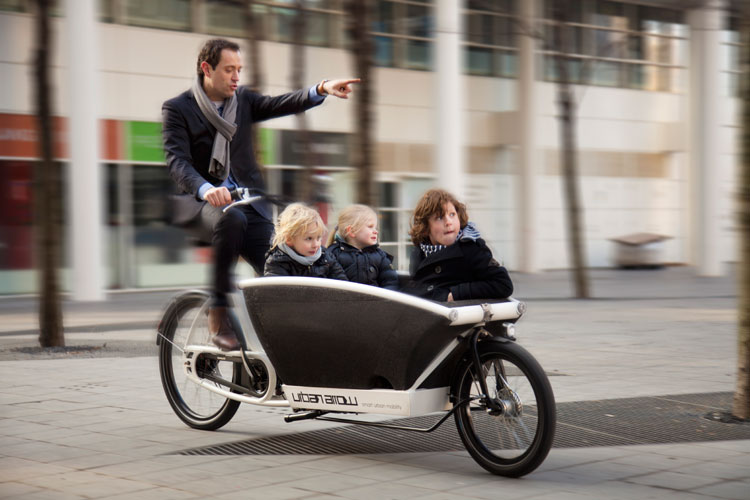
(236, 194)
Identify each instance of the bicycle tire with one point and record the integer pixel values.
(515, 441)
(195, 405)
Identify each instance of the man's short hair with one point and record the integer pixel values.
(211, 52)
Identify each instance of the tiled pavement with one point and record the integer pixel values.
(100, 427)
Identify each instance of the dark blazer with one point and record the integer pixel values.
(189, 137)
(279, 263)
(370, 265)
(466, 269)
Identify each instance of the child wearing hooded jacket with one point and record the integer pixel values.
(296, 248)
(354, 244)
(450, 261)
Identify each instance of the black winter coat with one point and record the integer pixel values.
(370, 265)
(189, 138)
(466, 269)
(280, 264)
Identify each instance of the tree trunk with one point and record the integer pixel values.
(299, 27)
(47, 203)
(257, 80)
(360, 14)
(574, 213)
(741, 407)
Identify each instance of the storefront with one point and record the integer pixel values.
(142, 249)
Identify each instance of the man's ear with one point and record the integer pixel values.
(206, 68)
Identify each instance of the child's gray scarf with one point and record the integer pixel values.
(468, 233)
(225, 126)
(305, 261)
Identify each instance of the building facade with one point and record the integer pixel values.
(465, 97)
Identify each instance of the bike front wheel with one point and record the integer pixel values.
(187, 324)
(513, 436)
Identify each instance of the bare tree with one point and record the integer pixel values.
(299, 28)
(568, 149)
(47, 199)
(257, 80)
(561, 46)
(360, 15)
(741, 407)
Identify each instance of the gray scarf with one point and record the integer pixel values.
(225, 126)
(305, 261)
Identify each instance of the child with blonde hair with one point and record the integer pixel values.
(296, 248)
(354, 244)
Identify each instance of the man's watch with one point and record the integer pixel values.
(322, 89)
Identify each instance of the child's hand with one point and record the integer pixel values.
(450, 297)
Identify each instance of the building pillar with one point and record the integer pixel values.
(527, 150)
(706, 23)
(85, 178)
(449, 97)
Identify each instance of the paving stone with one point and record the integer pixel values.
(673, 480)
(733, 490)
(108, 418)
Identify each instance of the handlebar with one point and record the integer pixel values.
(245, 196)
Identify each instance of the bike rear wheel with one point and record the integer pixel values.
(514, 441)
(198, 407)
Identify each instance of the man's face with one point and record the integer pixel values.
(222, 82)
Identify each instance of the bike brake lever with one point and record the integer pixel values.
(245, 201)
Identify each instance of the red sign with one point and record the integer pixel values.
(19, 137)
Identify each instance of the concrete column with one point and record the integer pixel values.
(449, 97)
(85, 174)
(527, 152)
(706, 23)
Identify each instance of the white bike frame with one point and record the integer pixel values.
(410, 402)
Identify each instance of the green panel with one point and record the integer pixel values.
(267, 138)
(143, 141)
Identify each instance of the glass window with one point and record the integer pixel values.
(388, 226)
(383, 18)
(418, 21)
(479, 28)
(505, 30)
(224, 17)
(507, 62)
(281, 24)
(480, 61)
(617, 39)
(606, 73)
(384, 55)
(387, 196)
(490, 29)
(16, 216)
(609, 14)
(318, 29)
(168, 14)
(418, 54)
(14, 5)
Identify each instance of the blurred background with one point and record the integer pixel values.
(464, 95)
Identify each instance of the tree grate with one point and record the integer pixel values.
(608, 422)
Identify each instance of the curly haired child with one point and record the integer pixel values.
(449, 260)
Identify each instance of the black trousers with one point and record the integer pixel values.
(241, 231)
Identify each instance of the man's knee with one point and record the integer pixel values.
(233, 221)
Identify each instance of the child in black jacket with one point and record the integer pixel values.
(449, 260)
(296, 249)
(354, 244)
